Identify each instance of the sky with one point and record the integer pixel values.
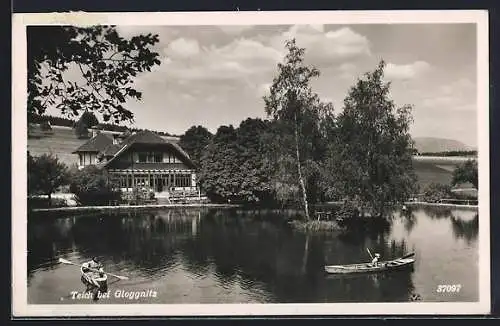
(217, 75)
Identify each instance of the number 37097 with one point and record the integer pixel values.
(449, 288)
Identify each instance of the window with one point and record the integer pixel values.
(142, 157)
(81, 159)
(150, 157)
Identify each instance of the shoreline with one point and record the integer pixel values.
(131, 207)
(199, 205)
(423, 203)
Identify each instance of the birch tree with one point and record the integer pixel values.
(297, 113)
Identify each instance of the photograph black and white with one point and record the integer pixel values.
(288, 163)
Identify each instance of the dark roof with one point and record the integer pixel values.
(144, 137)
(147, 137)
(112, 149)
(96, 144)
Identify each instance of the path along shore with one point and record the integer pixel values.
(200, 205)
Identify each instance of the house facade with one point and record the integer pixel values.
(141, 159)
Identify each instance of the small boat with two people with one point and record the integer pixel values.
(373, 267)
(93, 275)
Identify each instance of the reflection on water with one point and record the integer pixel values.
(220, 256)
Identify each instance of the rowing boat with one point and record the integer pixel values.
(384, 266)
(92, 279)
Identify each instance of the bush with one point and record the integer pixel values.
(93, 187)
(315, 226)
(42, 202)
(46, 174)
(434, 192)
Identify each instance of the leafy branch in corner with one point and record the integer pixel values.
(79, 69)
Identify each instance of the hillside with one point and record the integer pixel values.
(61, 142)
(433, 145)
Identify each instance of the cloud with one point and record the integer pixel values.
(187, 96)
(459, 86)
(322, 46)
(406, 72)
(240, 60)
(457, 96)
(348, 71)
(182, 48)
(234, 29)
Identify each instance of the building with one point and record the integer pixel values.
(141, 159)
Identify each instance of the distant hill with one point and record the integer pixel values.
(434, 145)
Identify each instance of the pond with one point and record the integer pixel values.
(243, 256)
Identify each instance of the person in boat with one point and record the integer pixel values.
(93, 265)
(375, 259)
(100, 273)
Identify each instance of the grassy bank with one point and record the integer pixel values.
(315, 226)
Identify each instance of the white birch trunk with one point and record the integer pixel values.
(299, 170)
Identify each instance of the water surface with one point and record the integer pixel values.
(235, 256)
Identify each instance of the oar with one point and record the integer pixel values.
(64, 261)
(408, 255)
(369, 253)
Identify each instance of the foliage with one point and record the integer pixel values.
(315, 226)
(234, 167)
(46, 174)
(106, 63)
(45, 126)
(81, 130)
(93, 186)
(466, 172)
(40, 202)
(434, 192)
(218, 167)
(194, 141)
(65, 122)
(297, 113)
(87, 120)
(370, 157)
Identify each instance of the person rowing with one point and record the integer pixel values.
(94, 265)
(375, 259)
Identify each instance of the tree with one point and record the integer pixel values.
(234, 166)
(81, 130)
(466, 172)
(45, 126)
(370, 157)
(434, 192)
(297, 113)
(252, 153)
(93, 186)
(106, 63)
(194, 141)
(87, 120)
(46, 174)
(219, 166)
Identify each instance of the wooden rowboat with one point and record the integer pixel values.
(92, 279)
(384, 266)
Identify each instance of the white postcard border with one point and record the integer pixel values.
(20, 307)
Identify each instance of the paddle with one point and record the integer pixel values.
(408, 255)
(369, 253)
(64, 261)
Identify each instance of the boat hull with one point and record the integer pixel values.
(395, 264)
(92, 281)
